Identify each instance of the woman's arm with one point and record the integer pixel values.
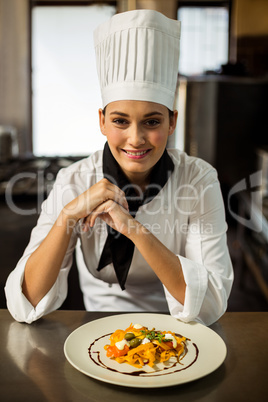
(163, 262)
(43, 266)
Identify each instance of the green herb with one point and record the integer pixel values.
(153, 335)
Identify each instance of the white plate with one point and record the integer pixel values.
(206, 351)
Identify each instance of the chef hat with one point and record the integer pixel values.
(137, 56)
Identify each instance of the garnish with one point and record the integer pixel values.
(155, 335)
(142, 346)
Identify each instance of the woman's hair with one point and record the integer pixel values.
(170, 112)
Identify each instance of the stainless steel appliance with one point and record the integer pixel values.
(225, 122)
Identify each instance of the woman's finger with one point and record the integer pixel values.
(116, 194)
(104, 190)
(101, 209)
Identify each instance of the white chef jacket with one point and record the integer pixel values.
(187, 216)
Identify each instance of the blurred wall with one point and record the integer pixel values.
(249, 34)
(15, 87)
(169, 8)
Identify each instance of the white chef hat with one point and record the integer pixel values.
(137, 56)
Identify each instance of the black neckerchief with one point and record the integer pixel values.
(118, 249)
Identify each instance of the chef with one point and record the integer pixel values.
(147, 223)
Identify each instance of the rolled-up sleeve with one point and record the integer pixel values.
(18, 305)
(206, 264)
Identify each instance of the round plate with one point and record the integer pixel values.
(84, 349)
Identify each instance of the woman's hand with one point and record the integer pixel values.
(99, 193)
(114, 215)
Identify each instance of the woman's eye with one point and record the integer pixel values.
(120, 121)
(152, 122)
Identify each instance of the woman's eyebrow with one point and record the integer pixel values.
(146, 115)
(153, 114)
(120, 114)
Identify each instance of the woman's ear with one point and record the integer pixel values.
(102, 122)
(173, 122)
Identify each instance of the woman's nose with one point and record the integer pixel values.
(135, 136)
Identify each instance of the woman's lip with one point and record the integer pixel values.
(136, 154)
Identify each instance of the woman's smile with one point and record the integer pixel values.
(140, 154)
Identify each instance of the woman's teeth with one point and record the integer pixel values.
(136, 153)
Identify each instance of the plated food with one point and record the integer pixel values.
(139, 346)
(86, 350)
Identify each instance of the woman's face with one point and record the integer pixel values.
(137, 134)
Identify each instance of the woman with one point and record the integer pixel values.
(148, 224)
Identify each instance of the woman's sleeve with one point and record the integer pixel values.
(18, 305)
(206, 266)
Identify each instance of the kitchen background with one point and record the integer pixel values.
(223, 118)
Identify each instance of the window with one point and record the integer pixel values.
(66, 95)
(204, 38)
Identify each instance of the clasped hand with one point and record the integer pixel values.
(104, 200)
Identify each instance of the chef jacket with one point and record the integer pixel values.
(187, 216)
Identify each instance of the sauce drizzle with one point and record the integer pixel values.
(138, 373)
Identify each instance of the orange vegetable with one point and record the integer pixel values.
(113, 351)
(146, 353)
(169, 344)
